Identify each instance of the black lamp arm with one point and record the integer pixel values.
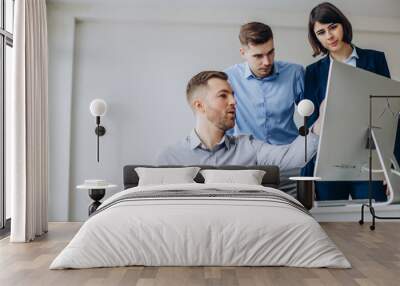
(305, 138)
(100, 131)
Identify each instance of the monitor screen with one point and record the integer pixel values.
(342, 153)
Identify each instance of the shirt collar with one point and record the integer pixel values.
(249, 74)
(353, 55)
(195, 142)
(247, 71)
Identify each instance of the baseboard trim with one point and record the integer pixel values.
(353, 213)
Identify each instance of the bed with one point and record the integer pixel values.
(201, 224)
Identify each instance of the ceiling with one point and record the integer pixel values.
(369, 8)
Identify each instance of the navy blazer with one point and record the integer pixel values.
(316, 78)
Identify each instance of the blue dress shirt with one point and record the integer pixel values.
(265, 106)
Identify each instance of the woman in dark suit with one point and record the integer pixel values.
(330, 34)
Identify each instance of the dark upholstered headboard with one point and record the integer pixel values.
(270, 179)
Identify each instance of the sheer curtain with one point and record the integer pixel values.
(28, 122)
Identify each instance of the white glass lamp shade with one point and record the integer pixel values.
(98, 107)
(305, 107)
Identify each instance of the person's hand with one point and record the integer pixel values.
(317, 125)
(386, 188)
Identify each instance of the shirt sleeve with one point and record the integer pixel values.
(299, 85)
(286, 156)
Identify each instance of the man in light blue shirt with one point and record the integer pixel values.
(266, 91)
(211, 99)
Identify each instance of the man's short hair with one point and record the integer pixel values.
(200, 80)
(255, 33)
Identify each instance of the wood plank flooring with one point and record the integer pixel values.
(374, 255)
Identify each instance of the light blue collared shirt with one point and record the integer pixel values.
(265, 106)
(351, 60)
(239, 150)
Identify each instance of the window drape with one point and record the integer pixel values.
(28, 122)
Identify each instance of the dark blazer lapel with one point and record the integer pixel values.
(361, 62)
(325, 63)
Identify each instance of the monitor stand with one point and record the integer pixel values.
(392, 176)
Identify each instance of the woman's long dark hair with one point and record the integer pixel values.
(327, 13)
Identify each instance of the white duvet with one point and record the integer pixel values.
(200, 231)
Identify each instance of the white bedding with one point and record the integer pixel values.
(200, 231)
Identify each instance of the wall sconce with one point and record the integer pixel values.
(98, 107)
(305, 108)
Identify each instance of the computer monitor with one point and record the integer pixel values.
(342, 153)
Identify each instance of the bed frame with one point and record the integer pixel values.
(270, 179)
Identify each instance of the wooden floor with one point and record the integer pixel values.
(374, 255)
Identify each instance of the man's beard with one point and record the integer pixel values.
(223, 122)
(265, 71)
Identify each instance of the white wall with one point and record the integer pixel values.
(139, 60)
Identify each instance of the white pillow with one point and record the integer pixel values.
(249, 177)
(163, 176)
